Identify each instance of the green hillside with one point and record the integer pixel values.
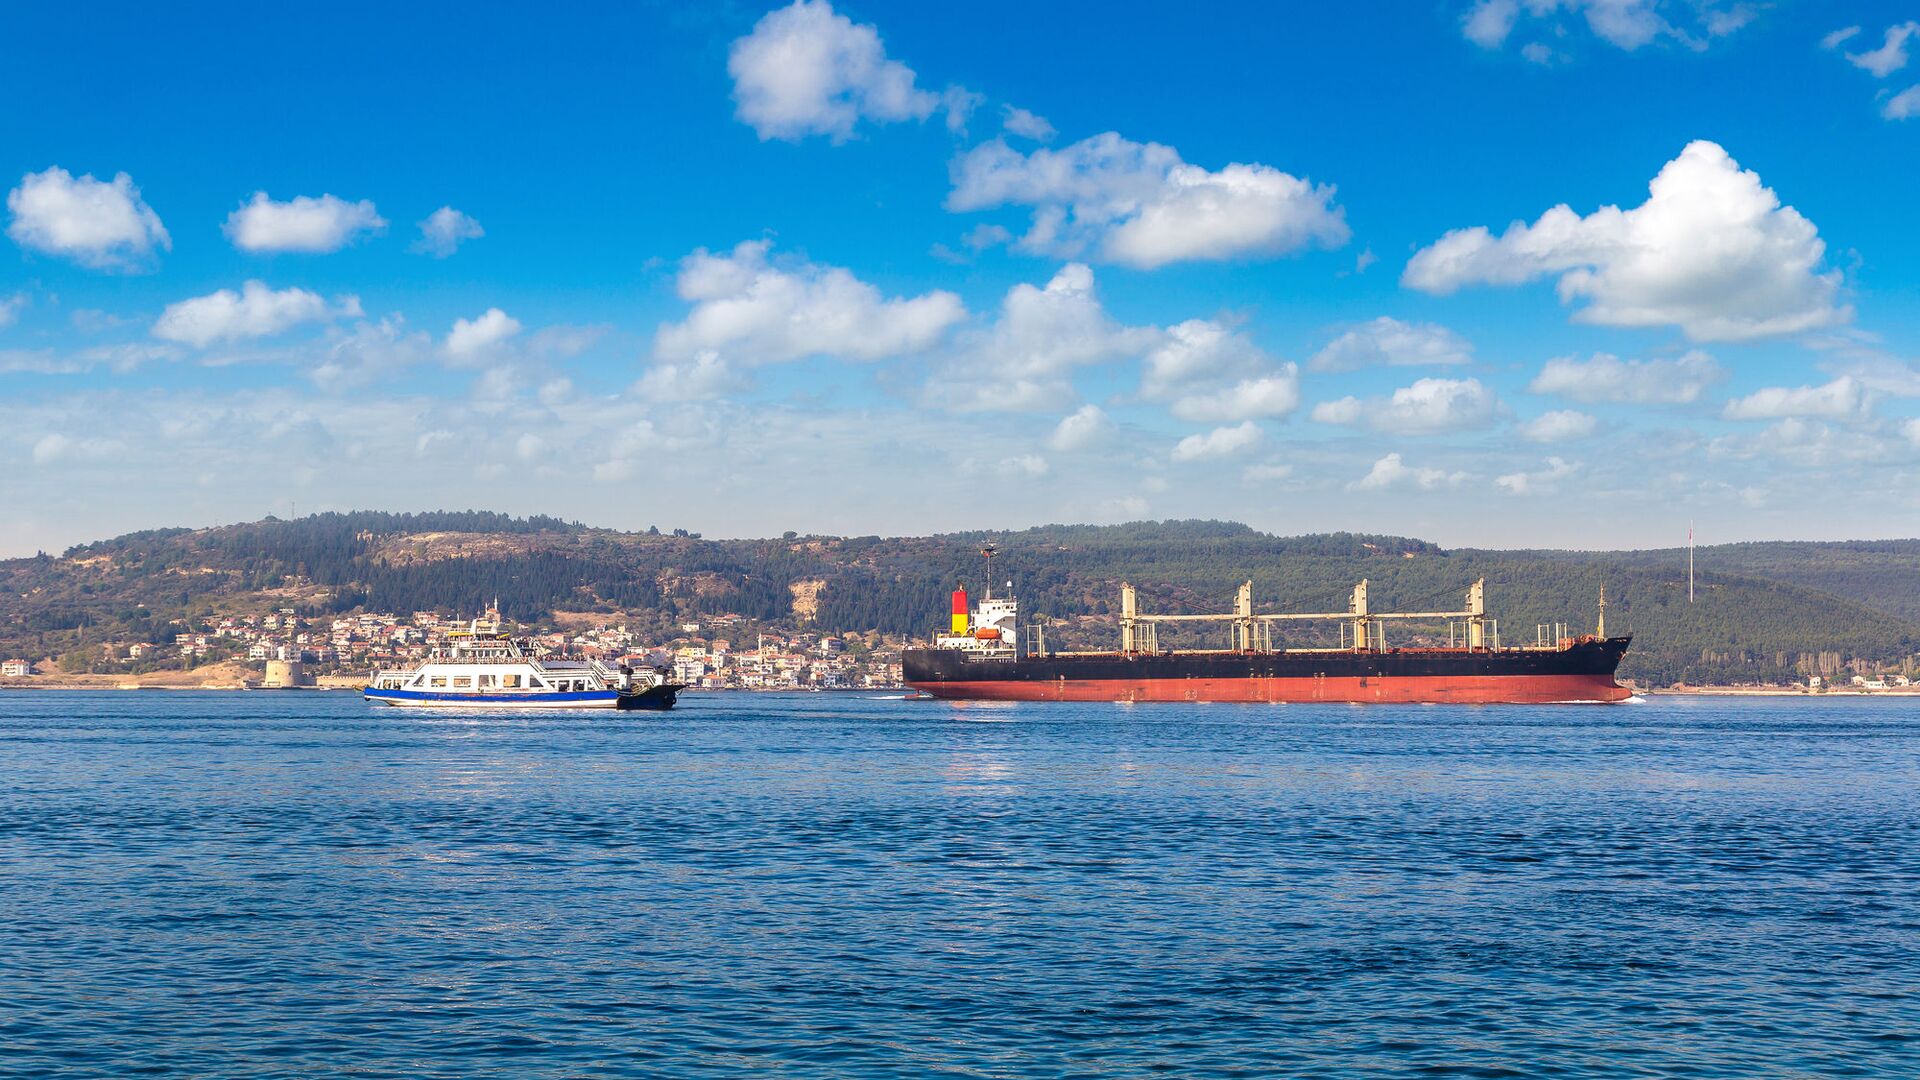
(1763, 611)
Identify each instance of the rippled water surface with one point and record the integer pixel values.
(297, 884)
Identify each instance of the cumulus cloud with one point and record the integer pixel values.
(1390, 342)
(1627, 24)
(1266, 474)
(1607, 378)
(304, 224)
(1843, 397)
(1428, 407)
(1022, 361)
(57, 447)
(1140, 205)
(10, 308)
(444, 230)
(1560, 425)
(100, 225)
(1087, 426)
(752, 311)
(256, 311)
(1539, 482)
(1268, 396)
(368, 352)
(1393, 472)
(806, 70)
(703, 378)
(480, 338)
(1838, 37)
(1903, 105)
(1711, 251)
(1220, 442)
(1891, 56)
(1027, 125)
(1197, 352)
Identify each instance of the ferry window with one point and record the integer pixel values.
(462, 682)
(511, 682)
(486, 682)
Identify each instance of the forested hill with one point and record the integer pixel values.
(1762, 610)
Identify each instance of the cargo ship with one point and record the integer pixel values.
(981, 655)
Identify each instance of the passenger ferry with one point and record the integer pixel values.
(483, 667)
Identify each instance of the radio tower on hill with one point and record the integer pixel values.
(1689, 562)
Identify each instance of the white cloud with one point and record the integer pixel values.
(1392, 472)
(304, 224)
(1268, 396)
(1022, 361)
(1199, 351)
(254, 312)
(1085, 427)
(752, 311)
(1711, 251)
(1891, 56)
(805, 70)
(1903, 105)
(1027, 465)
(1265, 474)
(1488, 22)
(1027, 125)
(1638, 382)
(444, 230)
(57, 447)
(10, 308)
(1628, 24)
(480, 338)
(1390, 342)
(1838, 37)
(1541, 482)
(1911, 429)
(100, 225)
(1843, 397)
(1140, 205)
(1428, 407)
(369, 352)
(1560, 425)
(1220, 442)
(530, 447)
(958, 103)
(703, 378)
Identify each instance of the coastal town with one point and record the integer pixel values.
(285, 649)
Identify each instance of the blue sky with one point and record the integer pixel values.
(872, 268)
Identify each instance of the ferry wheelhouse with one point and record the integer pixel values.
(483, 667)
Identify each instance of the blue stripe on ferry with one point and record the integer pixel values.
(441, 695)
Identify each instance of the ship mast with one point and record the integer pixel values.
(1601, 630)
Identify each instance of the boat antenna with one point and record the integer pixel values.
(987, 552)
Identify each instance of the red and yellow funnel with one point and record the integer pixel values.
(960, 611)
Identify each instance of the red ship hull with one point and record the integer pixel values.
(1580, 671)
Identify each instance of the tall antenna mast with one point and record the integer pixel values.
(1689, 562)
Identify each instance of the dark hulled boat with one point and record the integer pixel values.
(982, 658)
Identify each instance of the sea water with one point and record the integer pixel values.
(297, 884)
